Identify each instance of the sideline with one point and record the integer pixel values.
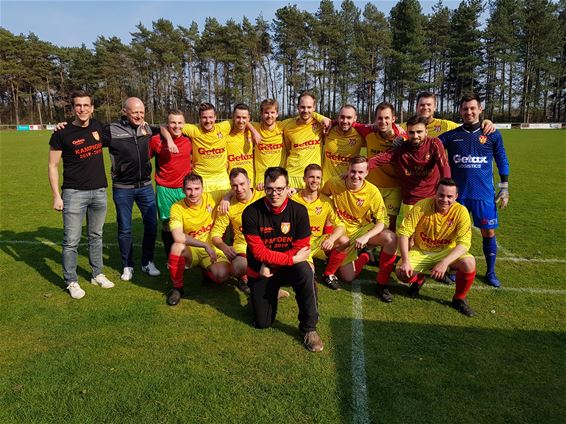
(530, 290)
(359, 385)
(510, 258)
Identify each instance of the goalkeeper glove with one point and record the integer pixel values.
(503, 195)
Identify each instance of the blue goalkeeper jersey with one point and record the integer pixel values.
(471, 155)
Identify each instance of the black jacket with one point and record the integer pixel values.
(129, 153)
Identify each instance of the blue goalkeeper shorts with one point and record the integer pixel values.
(484, 212)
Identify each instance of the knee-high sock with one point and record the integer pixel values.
(167, 239)
(417, 278)
(464, 281)
(334, 261)
(176, 270)
(490, 253)
(386, 263)
(359, 263)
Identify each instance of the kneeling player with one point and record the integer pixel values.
(277, 232)
(327, 232)
(243, 195)
(443, 234)
(361, 207)
(191, 223)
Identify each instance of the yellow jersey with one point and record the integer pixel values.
(434, 231)
(234, 218)
(356, 209)
(437, 127)
(209, 153)
(339, 147)
(271, 151)
(304, 145)
(383, 176)
(195, 221)
(321, 211)
(239, 148)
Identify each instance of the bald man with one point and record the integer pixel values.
(128, 141)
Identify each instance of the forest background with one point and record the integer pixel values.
(512, 52)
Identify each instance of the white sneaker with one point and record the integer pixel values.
(75, 290)
(151, 270)
(127, 273)
(102, 281)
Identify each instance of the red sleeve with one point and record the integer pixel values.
(265, 255)
(154, 145)
(271, 257)
(362, 129)
(382, 158)
(398, 130)
(442, 160)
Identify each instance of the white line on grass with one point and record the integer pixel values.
(511, 258)
(533, 260)
(52, 243)
(531, 290)
(359, 385)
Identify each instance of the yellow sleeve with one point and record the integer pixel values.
(464, 229)
(333, 218)
(220, 224)
(327, 188)
(285, 123)
(450, 125)
(190, 130)
(225, 127)
(176, 216)
(318, 117)
(410, 221)
(379, 213)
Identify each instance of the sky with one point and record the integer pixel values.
(71, 23)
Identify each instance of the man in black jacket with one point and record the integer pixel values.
(131, 182)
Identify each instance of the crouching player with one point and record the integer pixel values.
(327, 232)
(191, 223)
(243, 195)
(443, 234)
(360, 205)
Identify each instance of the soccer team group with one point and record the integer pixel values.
(257, 202)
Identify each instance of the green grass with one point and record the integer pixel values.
(122, 355)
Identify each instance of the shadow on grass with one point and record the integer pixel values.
(40, 247)
(441, 373)
(36, 249)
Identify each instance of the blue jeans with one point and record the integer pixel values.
(77, 204)
(124, 199)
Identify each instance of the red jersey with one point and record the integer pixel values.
(170, 169)
(419, 167)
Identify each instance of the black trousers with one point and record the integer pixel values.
(264, 296)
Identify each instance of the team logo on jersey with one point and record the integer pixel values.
(96, 135)
(318, 210)
(437, 128)
(450, 222)
(315, 126)
(219, 134)
(352, 141)
(285, 227)
(209, 208)
(483, 139)
(360, 202)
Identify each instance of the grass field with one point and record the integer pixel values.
(123, 355)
